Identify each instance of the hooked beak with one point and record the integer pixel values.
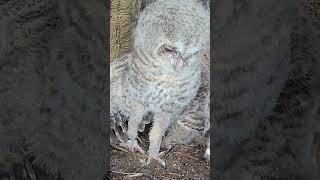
(180, 63)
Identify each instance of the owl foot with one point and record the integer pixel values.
(121, 121)
(156, 158)
(166, 146)
(118, 135)
(133, 146)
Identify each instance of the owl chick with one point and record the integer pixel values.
(164, 69)
(193, 125)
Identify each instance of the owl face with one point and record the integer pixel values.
(176, 57)
(174, 33)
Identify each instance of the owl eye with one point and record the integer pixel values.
(169, 50)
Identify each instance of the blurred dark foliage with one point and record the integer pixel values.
(54, 87)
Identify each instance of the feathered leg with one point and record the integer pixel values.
(133, 124)
(160, 125)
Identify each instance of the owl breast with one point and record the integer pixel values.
(165, 93)
(171, 96)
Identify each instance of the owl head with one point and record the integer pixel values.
(175, 33)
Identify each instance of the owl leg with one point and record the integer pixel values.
(155, 137)
(133, 124)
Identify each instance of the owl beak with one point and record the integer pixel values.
(179, 64)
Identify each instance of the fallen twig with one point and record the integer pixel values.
(135, 175)
(129, 174)
(125, 173)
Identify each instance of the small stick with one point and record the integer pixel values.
(135, 175)
(118, 172)
(129, 174)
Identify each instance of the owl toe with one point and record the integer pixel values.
(133, 146)
(157, 159)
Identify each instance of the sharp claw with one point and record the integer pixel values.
(167, 146)
(140, 150)
(156, 158)
(161, 154)
(121, 123)
(124, 128)
(132, 146)
(118, 135)
(140, 141)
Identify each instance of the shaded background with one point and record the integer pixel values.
(266, 90)
(54, 88)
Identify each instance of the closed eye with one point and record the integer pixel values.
(169, 50)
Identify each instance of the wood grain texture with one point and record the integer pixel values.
(122, 21)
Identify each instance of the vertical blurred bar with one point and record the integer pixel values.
(106, 101)
(212, 7)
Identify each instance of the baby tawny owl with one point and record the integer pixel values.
(164, 70)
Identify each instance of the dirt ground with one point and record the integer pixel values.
(182, 162)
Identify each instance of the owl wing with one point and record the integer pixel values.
(195, 119)
(119, 69)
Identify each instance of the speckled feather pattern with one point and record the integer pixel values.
(149, 82)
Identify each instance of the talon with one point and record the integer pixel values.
(168, 147)
(118, 136)
(122, 124)
(124, 128)
(161, 154)
(139, 139)
(156, 158)
(133, 146)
